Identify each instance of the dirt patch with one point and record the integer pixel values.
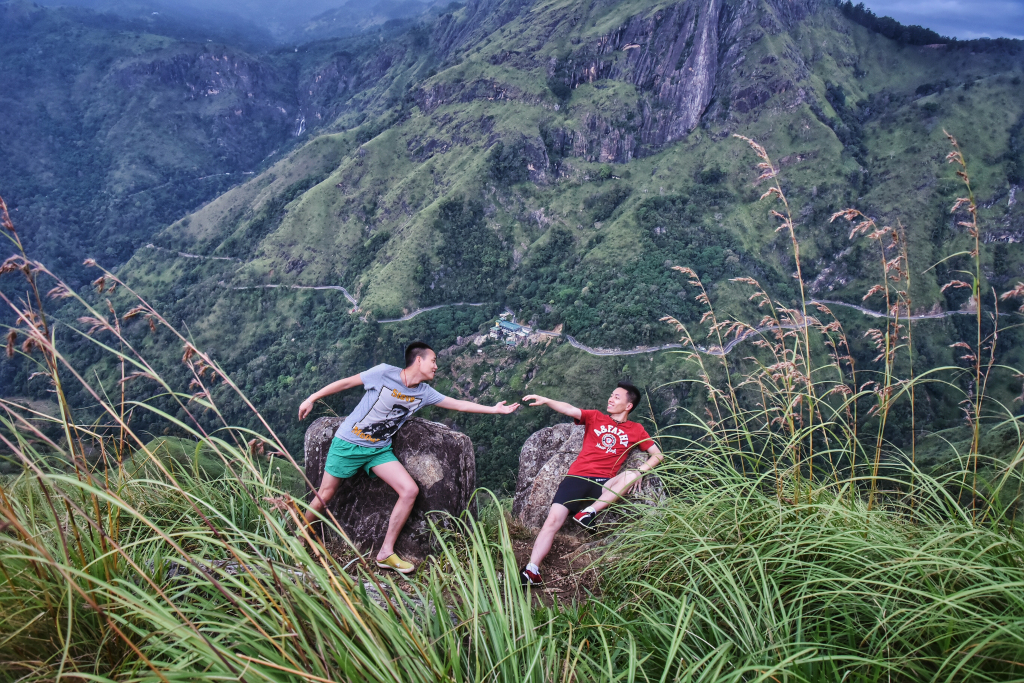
(565, 570)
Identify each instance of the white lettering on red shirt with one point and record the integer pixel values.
(606, 444)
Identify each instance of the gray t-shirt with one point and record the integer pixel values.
(385, 407)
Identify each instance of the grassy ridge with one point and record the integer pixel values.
(198, 578)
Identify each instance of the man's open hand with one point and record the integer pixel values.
(557, 406)
(305, 408)
(501, 409)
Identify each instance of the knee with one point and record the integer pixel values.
(409, 491)
(552, 523)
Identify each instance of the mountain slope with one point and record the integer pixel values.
(358, 16)
(558, 159)
(109, 135)
(567, 95)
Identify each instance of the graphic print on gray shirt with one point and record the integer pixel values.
(385, 407)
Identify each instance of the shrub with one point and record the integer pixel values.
(506, 164)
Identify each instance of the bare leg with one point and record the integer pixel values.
(616, 487)
(394, 475)
(542, 546)
(328, 486)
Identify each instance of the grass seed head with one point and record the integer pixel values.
(686, 271)
(94, 323)
(960, 201)
(758, 149)
(5, 218)
(137, 310)
(955, 284)
(871, 292)
(59, 292)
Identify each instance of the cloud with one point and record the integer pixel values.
(957, 18)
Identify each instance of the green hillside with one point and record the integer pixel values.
(110, 133)
(558, 160)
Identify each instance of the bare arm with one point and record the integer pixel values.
(470, 407)
(557, 406)
(654, 458)
(306, 407)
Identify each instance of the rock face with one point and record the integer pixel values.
(680, 61)
(439, 459)
(672, 57)
(543, 463)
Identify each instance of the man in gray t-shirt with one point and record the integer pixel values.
(363, 441)
(385, 406)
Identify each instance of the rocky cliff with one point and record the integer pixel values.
(678, 59)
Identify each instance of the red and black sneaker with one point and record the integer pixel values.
(585, 519)
(529, 578)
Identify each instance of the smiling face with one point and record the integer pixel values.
(618, 402)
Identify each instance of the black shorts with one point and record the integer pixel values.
(577, 492)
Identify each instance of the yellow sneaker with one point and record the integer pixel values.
(393, 561)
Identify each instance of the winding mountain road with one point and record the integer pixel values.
(337, 288)
(877, 314)
(410, 316)
(352, 299)
(618, 352)
(714, 350)
(724, 350)
(198, 256)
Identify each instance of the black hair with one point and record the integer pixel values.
(632, 393)
(414, 351)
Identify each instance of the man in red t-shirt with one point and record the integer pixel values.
(593, 481)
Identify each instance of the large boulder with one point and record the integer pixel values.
(439, 459)
(544, 462)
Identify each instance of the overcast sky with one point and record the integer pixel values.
(957, 18)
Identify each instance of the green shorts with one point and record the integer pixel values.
(345, 458)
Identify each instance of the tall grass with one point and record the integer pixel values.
(797, 544)
(824, 590)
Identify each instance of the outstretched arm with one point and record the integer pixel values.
(306, 407)
(557, 406)
(470, 407)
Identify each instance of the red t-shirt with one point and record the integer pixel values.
(606, 443)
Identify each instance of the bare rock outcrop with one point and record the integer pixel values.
(439, 459)
(544, 461)
(682, 61)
